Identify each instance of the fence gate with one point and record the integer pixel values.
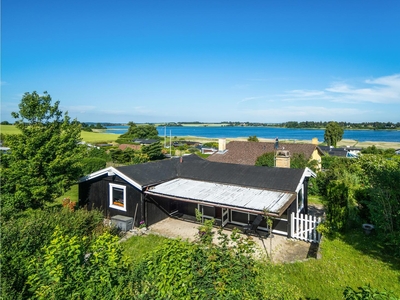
(304, 227)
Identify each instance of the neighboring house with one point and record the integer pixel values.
(4, 149)
(397, 151)
(230, 193)
(187, 143)
(246, 153)
(146, 141)
(124, 146)
(207, 150)
(348, 152)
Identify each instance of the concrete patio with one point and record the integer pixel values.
(284, 250)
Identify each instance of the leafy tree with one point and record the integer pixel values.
(333, 133)
(140, 132)
(297, 161)
(266, 160)
(211, 145)
(153, 151)
(253, 138)
(93, 164)
(45, 157)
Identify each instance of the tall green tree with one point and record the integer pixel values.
(252, 138)
(333, 133)
(45, 158)
(138, 132)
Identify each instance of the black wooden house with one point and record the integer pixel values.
(229, 193)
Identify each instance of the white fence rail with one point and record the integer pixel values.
(304, 227)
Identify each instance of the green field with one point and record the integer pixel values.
(89, 137)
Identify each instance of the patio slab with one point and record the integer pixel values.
(284, 250)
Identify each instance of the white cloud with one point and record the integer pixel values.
(380, 90)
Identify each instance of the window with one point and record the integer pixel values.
(118, 196)
(300, 199)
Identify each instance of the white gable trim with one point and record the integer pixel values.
(307, 173)
(111, 171)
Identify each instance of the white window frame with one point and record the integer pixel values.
(118, 186)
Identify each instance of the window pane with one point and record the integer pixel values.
(118, 196)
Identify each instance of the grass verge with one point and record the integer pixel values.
(349, 260)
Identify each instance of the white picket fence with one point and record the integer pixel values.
(304, 227)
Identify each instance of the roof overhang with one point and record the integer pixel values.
(111, 171)
(235, 197)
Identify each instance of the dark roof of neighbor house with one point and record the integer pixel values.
(341, 152)
(146, 141)
(246, 153)
(196, 168)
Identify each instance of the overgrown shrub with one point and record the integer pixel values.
(92, 164)
(366, 293)
(23, 236)
(74, 267)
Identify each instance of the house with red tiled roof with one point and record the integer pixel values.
(246, 153)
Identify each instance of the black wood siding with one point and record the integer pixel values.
(96, 194)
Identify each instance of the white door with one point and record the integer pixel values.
(225, 216)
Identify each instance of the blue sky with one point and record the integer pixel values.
(208, 61)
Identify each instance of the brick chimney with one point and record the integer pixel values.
(282, 159)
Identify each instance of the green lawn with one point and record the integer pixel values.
(313, 199)
(350, 260)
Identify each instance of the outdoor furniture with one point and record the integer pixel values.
(253, 226)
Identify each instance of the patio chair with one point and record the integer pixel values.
(253, 226)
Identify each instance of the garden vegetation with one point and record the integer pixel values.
(67, 252)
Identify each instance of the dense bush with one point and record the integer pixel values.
(363, 190)
(203, 270)
(366, 293)
(92, 164)
(74, 267)
(23, 236)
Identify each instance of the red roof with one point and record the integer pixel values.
(246, 153)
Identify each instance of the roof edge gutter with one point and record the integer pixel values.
(215, 204)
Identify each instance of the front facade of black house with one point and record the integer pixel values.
(229, 193)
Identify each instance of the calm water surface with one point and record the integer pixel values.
(268, 133)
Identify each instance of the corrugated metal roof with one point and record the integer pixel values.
(244, 198)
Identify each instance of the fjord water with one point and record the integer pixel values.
(267, 133)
